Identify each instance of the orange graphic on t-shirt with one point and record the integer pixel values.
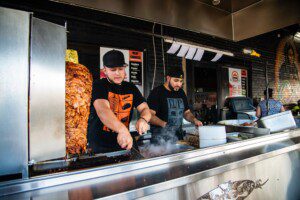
(121, 106)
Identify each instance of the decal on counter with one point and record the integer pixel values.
(238, 190)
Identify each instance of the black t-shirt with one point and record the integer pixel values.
(168, 105)
(122, 98)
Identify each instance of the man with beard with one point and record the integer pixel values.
(113, 100)
(168, 105)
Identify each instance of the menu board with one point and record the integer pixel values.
(244, 79)
(135, 67)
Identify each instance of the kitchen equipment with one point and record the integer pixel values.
(150, 150)
(211, 135)
(83, 161)
(238, 108)
(14, 72)
(278, 122)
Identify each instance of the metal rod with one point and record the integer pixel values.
(267, 87)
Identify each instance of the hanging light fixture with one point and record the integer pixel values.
(193, 51)
(199, 55)
(216, 2)
(175, 46)
(183, 50)
(217, 57)
(190, 54)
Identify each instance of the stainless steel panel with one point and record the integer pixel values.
(14, 73)
(282, 174)
(265, 16)
(247, 18)
(231, 5)
(189, 15)
(142, 178)
(47, 91)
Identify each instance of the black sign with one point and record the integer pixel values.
(135, 73)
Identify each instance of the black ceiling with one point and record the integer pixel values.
(231, 6)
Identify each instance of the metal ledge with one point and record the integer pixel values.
(148, 176)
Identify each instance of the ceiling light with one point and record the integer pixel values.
(217, 57)
(216, 2)
(192, 51)
(190, 54)
(199, 55)
(175, 46)
(251, 52)
(297, 35)
(198, 46)
(183, 50)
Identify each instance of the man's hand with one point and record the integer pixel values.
(141, 126)
(197, 122)
(164, 124)
(124, 139)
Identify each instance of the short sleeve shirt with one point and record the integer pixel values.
(122, 99)
(168, 105)
(274, 107)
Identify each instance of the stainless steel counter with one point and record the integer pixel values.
(159, 175)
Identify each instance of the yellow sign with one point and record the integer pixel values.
(72, 56)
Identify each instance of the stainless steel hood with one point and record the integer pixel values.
(263, 17)
(231, 19)
(189, 15)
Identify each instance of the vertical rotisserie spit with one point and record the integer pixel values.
(78, 98)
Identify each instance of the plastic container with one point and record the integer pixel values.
(278, 122)
(211, 136)
(210, 143)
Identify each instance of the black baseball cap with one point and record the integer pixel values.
(175, 72)
(114, 58)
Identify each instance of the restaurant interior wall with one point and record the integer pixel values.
(89, 29)
(274, 48)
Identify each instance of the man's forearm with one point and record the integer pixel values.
(188, 115)
(110, 120)
(157, 122)
(146, 114)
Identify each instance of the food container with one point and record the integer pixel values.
(234, 122)
(211, 136)
(278, 122)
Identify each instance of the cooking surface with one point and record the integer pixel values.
(150, 150)
(82, 162)
(91, 161)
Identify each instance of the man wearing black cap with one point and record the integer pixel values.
(168, 105)
(112, 103)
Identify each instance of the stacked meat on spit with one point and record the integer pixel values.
(78, 98)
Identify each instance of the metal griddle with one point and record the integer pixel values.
(83, 161)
